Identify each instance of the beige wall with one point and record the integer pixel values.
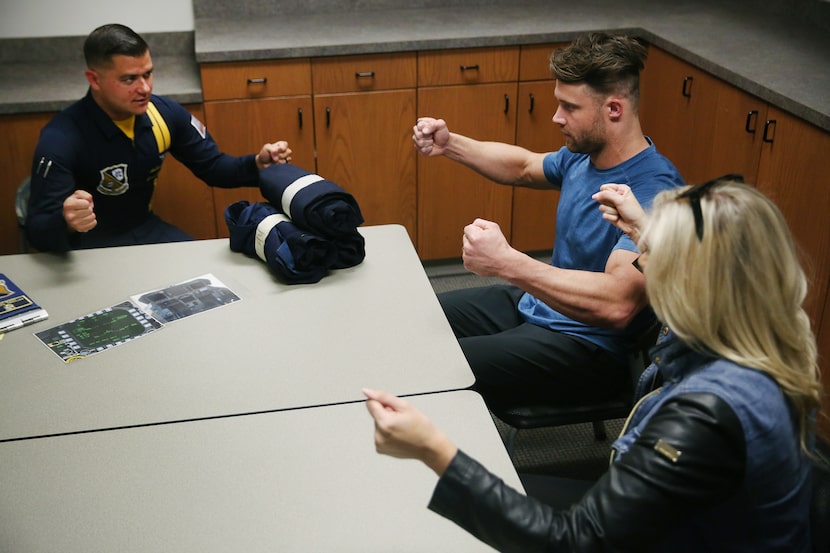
(39, 18)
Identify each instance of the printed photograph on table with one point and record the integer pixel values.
(98, 331)
(185, 299)
(141, 314)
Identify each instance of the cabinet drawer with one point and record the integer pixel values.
(534, 61)
(255, 79)
(468, 66)
(363, 73)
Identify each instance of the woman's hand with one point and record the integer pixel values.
(620, 208)
(404, 432)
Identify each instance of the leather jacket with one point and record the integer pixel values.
(705, 464)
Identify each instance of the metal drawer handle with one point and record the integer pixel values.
(261, 80)
(469, 68)
(770, 126)
(300, 117)
(532, 103)
(751, 119)
(363, 74)
(506, 103)
(687, 86)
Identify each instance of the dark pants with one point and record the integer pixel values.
(515, 359)
(153, 230)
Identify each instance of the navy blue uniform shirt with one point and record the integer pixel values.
(82, 148)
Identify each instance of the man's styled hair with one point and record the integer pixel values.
(737, 290)
(609, 64)
(112, 40)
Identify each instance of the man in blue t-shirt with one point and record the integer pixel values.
(559, 332)
(96, 163)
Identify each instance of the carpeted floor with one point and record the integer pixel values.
(566, 451)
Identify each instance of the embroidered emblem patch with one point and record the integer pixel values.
(198, 125)
(114, 180)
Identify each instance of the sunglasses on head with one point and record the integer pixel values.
(695, 193)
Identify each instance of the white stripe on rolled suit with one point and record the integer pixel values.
(292, 189)
(263, 229)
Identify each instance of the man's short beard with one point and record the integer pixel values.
(587, 146)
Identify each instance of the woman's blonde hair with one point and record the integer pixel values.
(737, 291)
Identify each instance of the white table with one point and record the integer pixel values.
(304, 480)
(374, 325)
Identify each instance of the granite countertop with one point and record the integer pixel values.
(780, 59)
(42, 75)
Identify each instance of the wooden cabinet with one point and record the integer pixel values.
(792, 172)
(354, 130)
(364, 109)
(183, 199)
(705, 126)
(475, 91)
(671, 97)
(252, 103)
(534, 211)
(709, 128)
(18, 137)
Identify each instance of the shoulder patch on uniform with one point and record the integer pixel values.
(198, 125)
(113, 180)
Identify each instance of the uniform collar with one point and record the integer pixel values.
(105, 124)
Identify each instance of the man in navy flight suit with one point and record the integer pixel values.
(96, 164)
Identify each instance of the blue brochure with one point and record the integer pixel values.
(17, 309)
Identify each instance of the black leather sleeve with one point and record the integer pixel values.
(690, 456)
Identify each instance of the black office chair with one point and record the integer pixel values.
(21, 206)
(520, 415)
(820, 507)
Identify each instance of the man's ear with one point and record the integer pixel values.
(615, 108)
(92, 78)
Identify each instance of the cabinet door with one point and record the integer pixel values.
(183, 199)
(364, 144)
(676, 107)
(793, 173)
(242, 126)
(734, 132)
(451, 196)
(705, 126)
(18, 137)
(534, 211)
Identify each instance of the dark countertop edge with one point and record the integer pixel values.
(53, 106)
(386, 47)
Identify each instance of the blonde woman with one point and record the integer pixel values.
(714, 460)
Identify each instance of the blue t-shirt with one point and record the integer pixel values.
(584, 240)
